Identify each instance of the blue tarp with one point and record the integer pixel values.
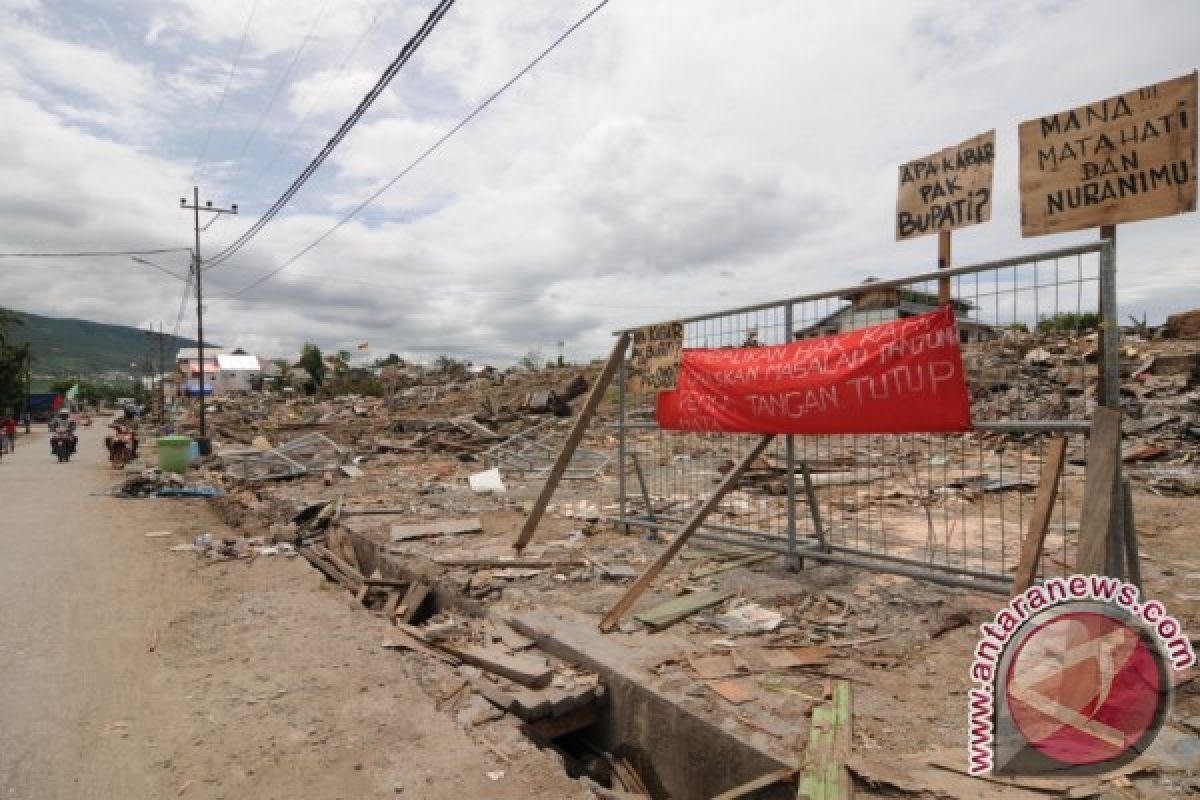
(193, 389)
(44, 401)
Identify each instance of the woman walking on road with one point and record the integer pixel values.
(8, 434)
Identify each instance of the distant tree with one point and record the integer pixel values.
(8, 321)
(285, 372)
(392, 360)
(14, 364)
(344, 356)
(1068, 322)
(445, 363)
(531, 361)
(312, 362)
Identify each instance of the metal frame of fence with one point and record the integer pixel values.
(948, 508)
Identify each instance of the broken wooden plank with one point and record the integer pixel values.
(407, 610)
(571, 443)
(824, 776)
(685, 532)
(749, 787)
(387, 583)
(390, 603)
(364, 512)
(520, 669)
(734, 690)
(1100, 492)
(353, 578)
(576, 720)
(403, 639)
(325, 567)
(712, 667)
(437, 527)
(629, 777)
(501, 563)
(1039, 519)
(679, 608)
(716, 569)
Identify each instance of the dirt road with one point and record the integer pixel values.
(129, 671)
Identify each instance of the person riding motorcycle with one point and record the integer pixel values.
(122, 429)
(65, 424)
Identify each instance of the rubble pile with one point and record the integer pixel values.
(1054, 376)
(412, 503)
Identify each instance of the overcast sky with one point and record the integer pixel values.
(672, 157)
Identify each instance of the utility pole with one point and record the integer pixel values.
(159, 391)
(162, 380)
(197, 267)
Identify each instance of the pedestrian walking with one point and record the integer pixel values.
(10, 433)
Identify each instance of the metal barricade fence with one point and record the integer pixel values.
(950, 508)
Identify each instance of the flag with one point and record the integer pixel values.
(363, 347)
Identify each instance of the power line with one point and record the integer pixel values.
(283, 80)
(159, 267)
(401, 59)
(428, 151)
(187, 293)
(99, 253)
(468, 290)
(324, 90)
(224, 91)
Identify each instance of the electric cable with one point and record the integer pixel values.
(266, 170)
(99, 253)
(282, 80)
(224, 91)
(401, 59)
(183, 302)
(427, 152)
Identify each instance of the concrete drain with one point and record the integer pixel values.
(625, 736)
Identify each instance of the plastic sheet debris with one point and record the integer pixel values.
(748, 618)
(487, 481)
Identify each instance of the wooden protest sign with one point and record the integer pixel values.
(655, 357)
(904, 376)
(949, 189)
(1126, 158)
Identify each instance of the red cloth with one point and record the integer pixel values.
(904, 376)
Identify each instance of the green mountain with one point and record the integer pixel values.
(79, 347)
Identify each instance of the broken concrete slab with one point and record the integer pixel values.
(714, 760)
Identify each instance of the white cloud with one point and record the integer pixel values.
(671, 157)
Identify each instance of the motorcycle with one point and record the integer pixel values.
(120, 449)
(61, 445)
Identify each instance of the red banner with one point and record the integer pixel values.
(899, 377)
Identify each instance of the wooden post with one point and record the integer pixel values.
(1133, 563)
(1106, 232)
(685, 532)
(944, 296)
(1099, 492)
(810, 495)
(1039, 520)
(831, 739)
(572, 442)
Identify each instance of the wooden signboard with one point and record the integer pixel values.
(1123, 159)
(655, 358)
(947, 190)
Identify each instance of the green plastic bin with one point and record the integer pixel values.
(173, 453)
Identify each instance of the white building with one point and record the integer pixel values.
(237, 373)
